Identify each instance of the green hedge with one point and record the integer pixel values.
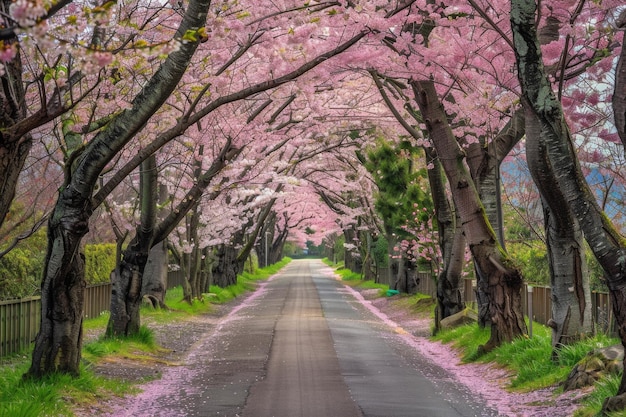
(99, 262)
(20, 273)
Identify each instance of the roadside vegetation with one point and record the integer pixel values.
(57, 394)
(528, 360)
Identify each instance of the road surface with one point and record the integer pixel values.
(303, 346)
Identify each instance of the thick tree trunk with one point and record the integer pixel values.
(451, 240)
(483, 160)
(569, 278)
(154, 284)
(59, 341)
(605, 242)
(127, 280)
(503, 282)
(449, 291)
(226, 267)
(126, 292)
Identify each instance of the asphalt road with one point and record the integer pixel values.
(302, 346)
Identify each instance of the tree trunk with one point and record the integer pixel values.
(352, 259)
(449, 290)
(207, 270)
(154, 284)
(451, 240)
(126, 291)
(605, 242)
(483, 160)
(503, 282)
(569, 279)
(59, 341)
(226, 267)
(13, 151)
(127, 280)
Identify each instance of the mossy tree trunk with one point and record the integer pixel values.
(503, 282)
(127, 280)
(602, 237)
(569, 278)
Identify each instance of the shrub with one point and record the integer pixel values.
(99, 262)
(20, 273)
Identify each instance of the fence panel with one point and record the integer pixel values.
(175, 278)
(426, 284)
(97, 300)
(19, 324)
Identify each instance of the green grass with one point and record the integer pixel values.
(53, 395)
(127, 346)
(528, 359)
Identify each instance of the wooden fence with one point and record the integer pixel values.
(537, 298)
(20, 319)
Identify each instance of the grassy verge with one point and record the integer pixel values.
(57, 395)
(529, 360)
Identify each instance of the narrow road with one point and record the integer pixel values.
(303, 346)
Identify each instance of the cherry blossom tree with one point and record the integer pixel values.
(602, 237)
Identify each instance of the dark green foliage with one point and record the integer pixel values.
(401, 187)
(99, 262)
(20, 273)
(532, 258)
(21, 269)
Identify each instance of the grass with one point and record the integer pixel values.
(56, 395)
(528, 359)
(53, 395)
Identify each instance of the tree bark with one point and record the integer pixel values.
(154, 285)
(226, 267)
(127, 279)
(605, 242)
(484, 160)
(352, 258)
(451, 240)
(569, 278)
(619, 92)
(503, 281)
